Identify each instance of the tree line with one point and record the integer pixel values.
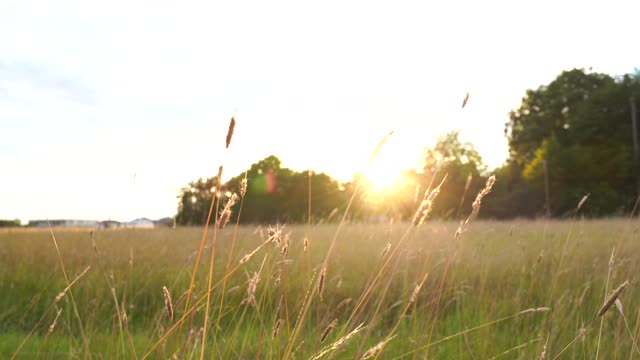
(567, 139)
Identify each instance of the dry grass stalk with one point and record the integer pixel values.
(332, 214)
(276, 329)
(464, 193)
(612, 299)
(583, 296)
(582, 201)
(64, 292)
(232, 126)
(427, 204)
(343, 303)
(275, 235)
(379, 146)
(53, 324)
(338, 343)
(247, 257)
(125, 318)
(518, 347)
(225, 214)
(327, 330)
(218, 181)
(385, 251)
(464, 101)
(416, 291)
(374, 351)
(540, 309)
(297, 348)
(543, 354)
(476, 205)
(284, 246)
(243, 186)
(323, 273)
(612, 259)
(167, 302)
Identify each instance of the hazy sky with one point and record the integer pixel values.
(108, 108)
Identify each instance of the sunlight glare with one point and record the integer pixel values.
(385, 170)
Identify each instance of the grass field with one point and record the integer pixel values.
(495, 270)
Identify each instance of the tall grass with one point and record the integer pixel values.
(475, 312)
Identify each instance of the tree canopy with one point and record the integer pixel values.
(580, 125)
(274, 194)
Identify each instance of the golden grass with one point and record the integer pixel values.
(496, 272)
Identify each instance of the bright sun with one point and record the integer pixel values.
(385, 171)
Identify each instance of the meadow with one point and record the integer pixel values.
(509, 290)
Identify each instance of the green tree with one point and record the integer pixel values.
(274, 194)
(547, 111)
(580, 125)
(465, 170)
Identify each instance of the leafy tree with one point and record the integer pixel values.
(465, 170)
(547, 111)
(274, 194)
(579, 124)
(9, 223)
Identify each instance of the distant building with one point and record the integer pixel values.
(63, 223)
(109, 224)
(142, 223)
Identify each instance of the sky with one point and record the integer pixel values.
(107, 109)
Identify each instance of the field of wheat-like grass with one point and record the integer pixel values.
(511, 290)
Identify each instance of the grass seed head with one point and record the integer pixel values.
(475, 207)
(276, 329)
(53, 324)
(284, 246)
(584, 295)
(219, 179)
(612, 259)
(540, 309)
(386, 249)
(251, 289)
(275, 235)
(582, 201)
(321, 282)
(225, 214)
(232, 126)
(414, 294)
(167, 302)
(343, 303)
(375, 351)
(125, 318)
(612, 299)
(243, 186)
(427, 204)
(379, 146)
(327, 330)
(464, 101)
(338, 343)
